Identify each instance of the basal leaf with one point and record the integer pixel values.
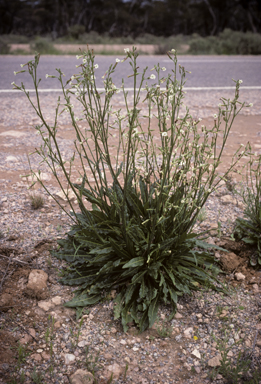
(136, 262)
(153, 310)
(83, 300)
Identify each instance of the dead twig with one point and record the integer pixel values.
(9, 262)
(17, 261)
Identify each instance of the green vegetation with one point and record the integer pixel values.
(239, 369)
(134, 232)
(226, 43)
(249, 228)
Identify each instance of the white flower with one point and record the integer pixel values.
(22, 65)
(13, 83)
(46, 76)
(135, 131)
(15, 73)
(117, 60)
(240, 81)
(126, 50)
(76, 118)
(152, 77)
(250, 105)
(163, 69)
(241, 145)
(72, 78)
(77, 93)
(164, 134)
(199, 119)
(96, 66)
(215, 116)
(173, 50)
(78, 57)
(84, 61)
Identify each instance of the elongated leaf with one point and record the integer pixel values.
(136, 262)
(153, 310)
(119, 305)
(83, 300)
(138, 276)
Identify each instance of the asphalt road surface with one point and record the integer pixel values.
(206, 71)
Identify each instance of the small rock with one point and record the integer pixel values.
(115, 370)
(37, 284)
(69, 358)
(57, 300)
(62, 195)
(178, 316)
(255, 288)
(215, 361)
(188, 332)
(26, 339)
(57, 324)
(197, 369)
(210, 240)
(123, 342)
(196, 353)
(188, 366)
(230, 261)
(36, 357)
(5, 302)
(113, 330)
(32, 332)
(81, 377)
(82, 343)
(239, 276)
(45, 305)
(227, 199)
(45, 355)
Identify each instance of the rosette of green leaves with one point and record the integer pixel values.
(249, 228)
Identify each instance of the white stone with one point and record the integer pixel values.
(57, 300)
(123, 342)
(188, 332)
(135, 349)
(11, 158)
(43, 177)
(255, 288)
(239, 276)
(196, 353)
(13, 133)
(82, 343)
(69, 358)
(178, 316)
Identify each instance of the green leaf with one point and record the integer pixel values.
(136, 278)
(136, 262)
(83, 300)
(119, 305)
(153, 311)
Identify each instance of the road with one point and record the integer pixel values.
(206, 71)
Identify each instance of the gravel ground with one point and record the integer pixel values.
(182, 350)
